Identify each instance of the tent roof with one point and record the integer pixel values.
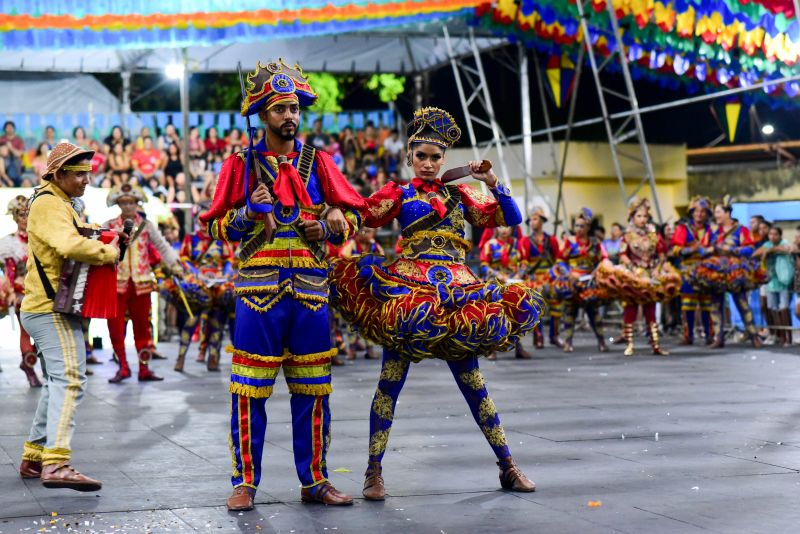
(401, 50)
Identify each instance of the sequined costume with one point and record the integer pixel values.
(14, 256)
(211, 265)
(427, 303)
(642, 278)
(686, 245)
(500, 258)
(281, 288)
(135, 282)
(732, 271)
(583, 255)
(546, 274)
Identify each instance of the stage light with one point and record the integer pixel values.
(174, 71)
(768, 129)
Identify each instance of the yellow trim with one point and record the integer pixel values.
(313, 356)
(71, 374)
(259, 357)
(254, 372)
(55, 455)
(312, 371)
(32, 451)
(245, 485)
(310, 389)
(298, 262)
(324, 480)
(253, 392)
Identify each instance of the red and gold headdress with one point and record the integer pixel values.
(700, 202)
(435, 126)
(635, 204)
(276, 83)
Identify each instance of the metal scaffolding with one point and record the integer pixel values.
(478, 109)
(623, 131)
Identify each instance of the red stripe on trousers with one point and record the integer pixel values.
(244, 439)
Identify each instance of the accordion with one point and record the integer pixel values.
(88, 290)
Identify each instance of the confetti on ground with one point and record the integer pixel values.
(342, 470)
(595, 504)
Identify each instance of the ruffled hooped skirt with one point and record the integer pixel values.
(553, 284)
(720, 274)
(638, 285)
(421, 319)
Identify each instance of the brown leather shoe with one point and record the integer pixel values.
(62, 475)
(521, 353)
(30, 469)
(325, 493)
(241, 500)
(373, 483)
(512, 478)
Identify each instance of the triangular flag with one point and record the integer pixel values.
(732, 112)
(554, 78)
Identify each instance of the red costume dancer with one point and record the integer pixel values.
(135, 280)
(583, 253)
(687, 245)
(643, 276)
(540, 254)
(14, 255)
(501, 258)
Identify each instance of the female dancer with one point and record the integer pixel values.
(733, 246)
(643, 277)
(428, 303)
(583, 253)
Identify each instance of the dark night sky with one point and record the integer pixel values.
(692, 124)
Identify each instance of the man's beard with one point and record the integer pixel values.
(284, 136)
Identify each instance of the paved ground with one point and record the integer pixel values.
(697, 441)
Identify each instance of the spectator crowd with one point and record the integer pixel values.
(153, 159)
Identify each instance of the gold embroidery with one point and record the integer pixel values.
(495, 435)
(382, 208)
(234, 470)
(473, 379)
(393, 371)
(487, 410)
(407, 268)
(476, 196)
(377, 442)
(478, 217)
(273, 163)
(382, 406)
(463, 277)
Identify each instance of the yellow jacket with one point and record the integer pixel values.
(52, 237)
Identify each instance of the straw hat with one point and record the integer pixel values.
(125, 191)
(62, 153)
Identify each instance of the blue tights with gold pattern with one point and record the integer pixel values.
(467, 374)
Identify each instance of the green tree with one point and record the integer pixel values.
(328, 87)
(388, 86)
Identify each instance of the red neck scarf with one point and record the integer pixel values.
(288, 184)
(431, 188)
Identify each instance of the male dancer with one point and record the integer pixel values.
(53, 237)
(281, 288)
(135, 280)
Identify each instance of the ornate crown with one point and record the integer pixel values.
(438, 120)
(276, 82)
(699, 202)
(636, 203)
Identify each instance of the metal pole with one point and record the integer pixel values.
(661, 107)
(603, 109)
(550, 141)
(489, 107)
(125, 105)
(525, 104)
(188, 223)
(637, 118)
(571, 116)
(461, 96)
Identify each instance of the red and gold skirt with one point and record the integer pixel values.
(431, 309)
